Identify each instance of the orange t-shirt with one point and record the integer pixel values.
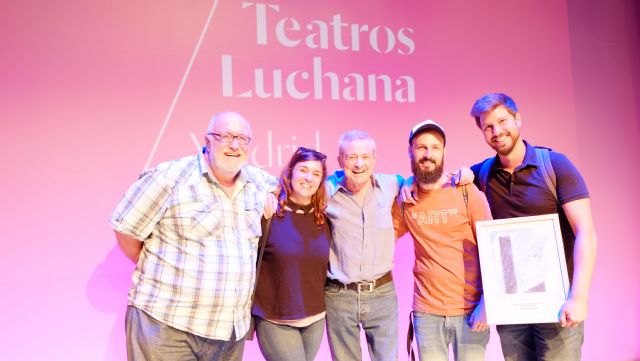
(446, 273)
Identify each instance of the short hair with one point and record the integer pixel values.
(354, 134)
(489, 102)
(319, 198)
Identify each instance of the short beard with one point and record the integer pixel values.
(507, 151)
(426, 176)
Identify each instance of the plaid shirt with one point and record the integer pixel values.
(196, 270)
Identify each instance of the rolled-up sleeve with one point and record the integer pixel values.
(142, 206)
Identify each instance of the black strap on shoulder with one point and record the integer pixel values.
(411, 354)
(261, 244)
(402, 210)
(465, 196)
(266, 223)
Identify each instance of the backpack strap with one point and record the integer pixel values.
(410, 353)
(483, 174)
(465, 196)
(404, 219)
(262, 242)
(549, 175)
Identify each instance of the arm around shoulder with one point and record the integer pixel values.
(399, 225)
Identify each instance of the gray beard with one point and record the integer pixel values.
(426, 176)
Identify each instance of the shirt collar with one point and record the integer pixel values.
(530, 158)
(244, 176)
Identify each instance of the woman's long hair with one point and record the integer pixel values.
(319, 198)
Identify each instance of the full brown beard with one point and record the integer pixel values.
(426, 176)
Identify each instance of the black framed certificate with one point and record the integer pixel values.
(524, 272)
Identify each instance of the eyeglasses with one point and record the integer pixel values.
(227, 138)
(321, 156)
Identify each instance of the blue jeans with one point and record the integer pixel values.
(434, 334)
(288, 343)
(376, 312)
(541, 341)
(150, 339)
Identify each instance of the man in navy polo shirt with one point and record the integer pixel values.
(516, 186)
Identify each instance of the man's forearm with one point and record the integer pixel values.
(130, 246)
(584, 256)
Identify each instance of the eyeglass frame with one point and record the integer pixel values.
(230, 138)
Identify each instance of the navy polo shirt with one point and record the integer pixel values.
(525, 192)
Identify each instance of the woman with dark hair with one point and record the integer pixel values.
(289, 298)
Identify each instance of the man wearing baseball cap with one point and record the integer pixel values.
(448, 307)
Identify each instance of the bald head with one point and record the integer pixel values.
(230, 122)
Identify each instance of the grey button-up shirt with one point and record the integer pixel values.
(363, 238)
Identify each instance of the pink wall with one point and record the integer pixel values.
(605, 45)
(86, 86)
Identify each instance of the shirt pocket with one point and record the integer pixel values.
(253, 209)
(383, 215)
(252, 218)
(205, 220)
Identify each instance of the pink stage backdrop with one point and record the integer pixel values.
(92, 92)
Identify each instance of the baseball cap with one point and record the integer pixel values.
(424, 126)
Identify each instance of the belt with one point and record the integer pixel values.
(364, 286)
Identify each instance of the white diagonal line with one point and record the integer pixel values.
(195, 141)
(184, 79)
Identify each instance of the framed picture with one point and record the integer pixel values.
(524, 272)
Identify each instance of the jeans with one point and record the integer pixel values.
(541, 341)
(434, 334)
(376, 312)
(288, 343)
(150, 339)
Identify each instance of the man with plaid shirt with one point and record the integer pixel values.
(191, 226)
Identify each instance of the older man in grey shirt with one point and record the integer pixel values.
(360, 290)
